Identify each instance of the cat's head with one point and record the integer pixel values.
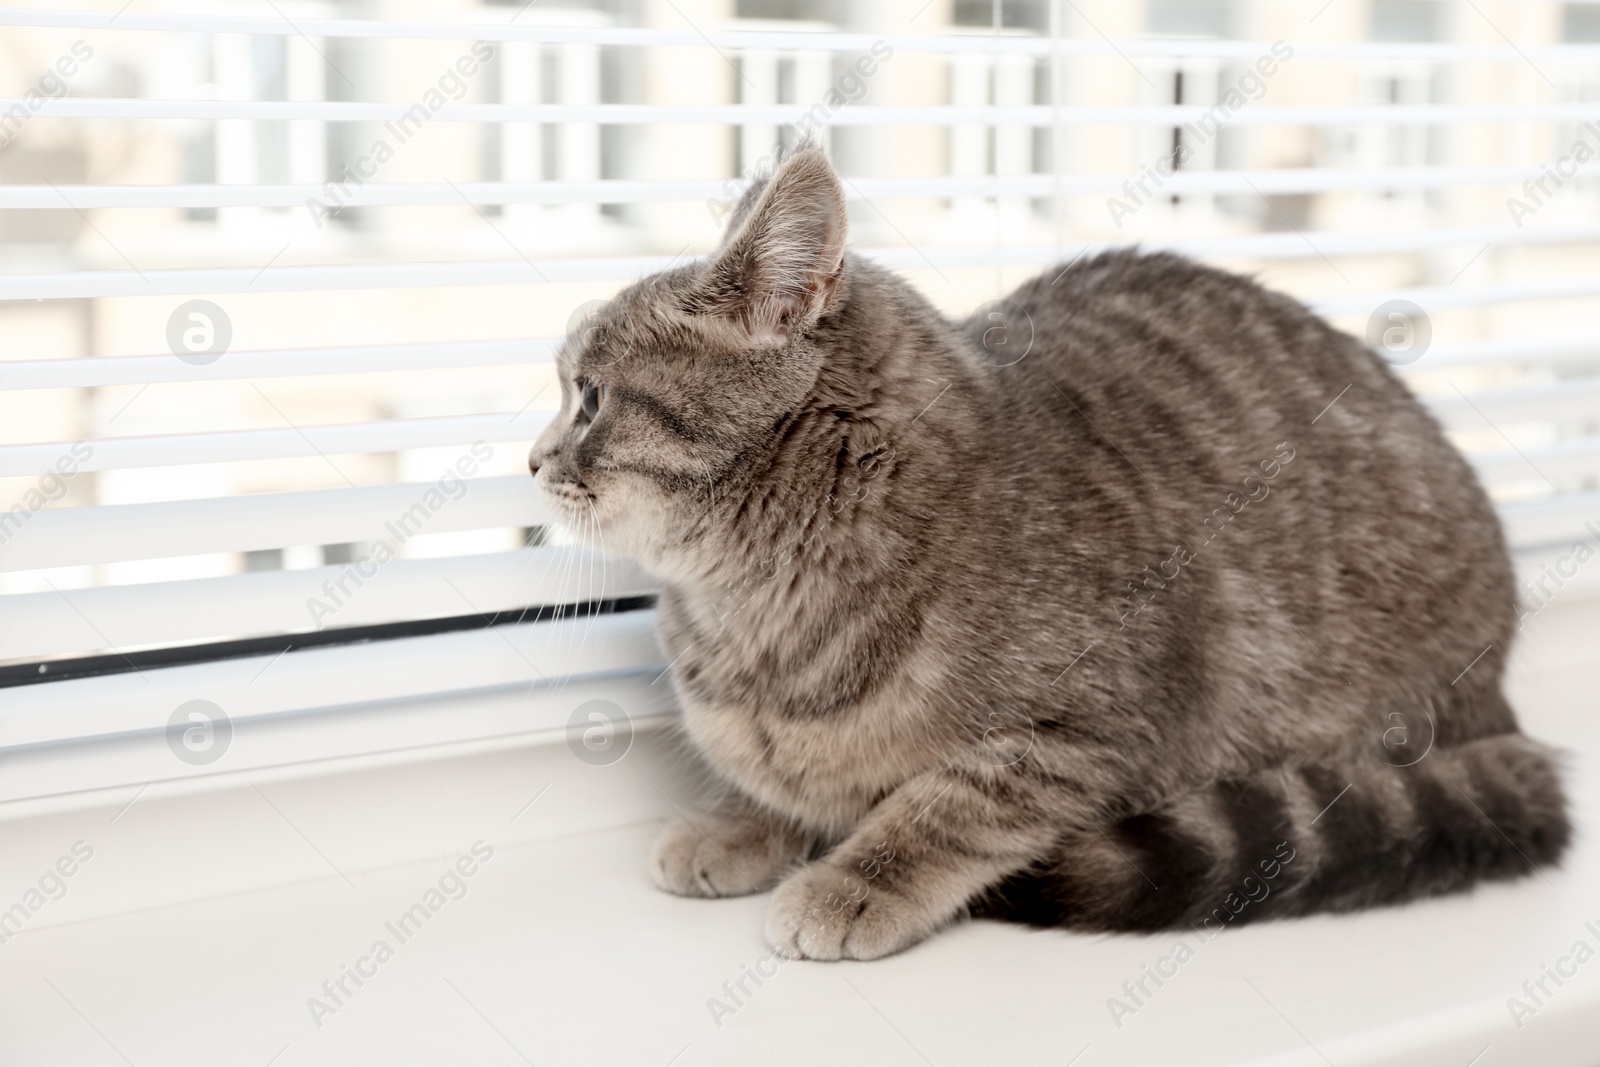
(680, 383)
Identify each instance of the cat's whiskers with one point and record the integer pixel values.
(600, 565)
(556, 635)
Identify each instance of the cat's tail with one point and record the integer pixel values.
(1289, 840)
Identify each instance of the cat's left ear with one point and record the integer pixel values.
(781, 268)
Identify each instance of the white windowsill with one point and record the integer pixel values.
(207, 917)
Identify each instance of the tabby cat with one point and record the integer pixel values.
(1137, 587)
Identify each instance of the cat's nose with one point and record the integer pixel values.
(533, 465)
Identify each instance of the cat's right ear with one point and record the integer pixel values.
(781, 268)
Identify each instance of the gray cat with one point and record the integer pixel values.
(1142, 599)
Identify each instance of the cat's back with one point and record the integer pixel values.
(1211, 370)
(1181, 341)
(1184, 388)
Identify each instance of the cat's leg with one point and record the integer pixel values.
(914, 862)
(739, 847)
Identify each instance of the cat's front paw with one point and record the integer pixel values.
(830, 912)
(717, 857)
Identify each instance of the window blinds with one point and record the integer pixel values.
(275, 138)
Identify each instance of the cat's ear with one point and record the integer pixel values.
(781, 265)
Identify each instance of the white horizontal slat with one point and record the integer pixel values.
(527, 663)
(1284, 180)
(1311, 244)
(387, 194)
(1433, 297)
(93, 371)
(36, 625)
(1564, 461)
(1551, 351)
(231, 446)
(1555, 521)
(854, 115)
(982, 41)
(83, 285)
(1558, 402)
(282, 279)
(110, 533)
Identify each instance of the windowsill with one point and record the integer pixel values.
(205, 921)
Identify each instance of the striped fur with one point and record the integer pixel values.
(1296, 839)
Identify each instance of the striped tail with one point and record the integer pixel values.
(1290, 840)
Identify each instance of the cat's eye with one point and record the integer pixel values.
(593, 397)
